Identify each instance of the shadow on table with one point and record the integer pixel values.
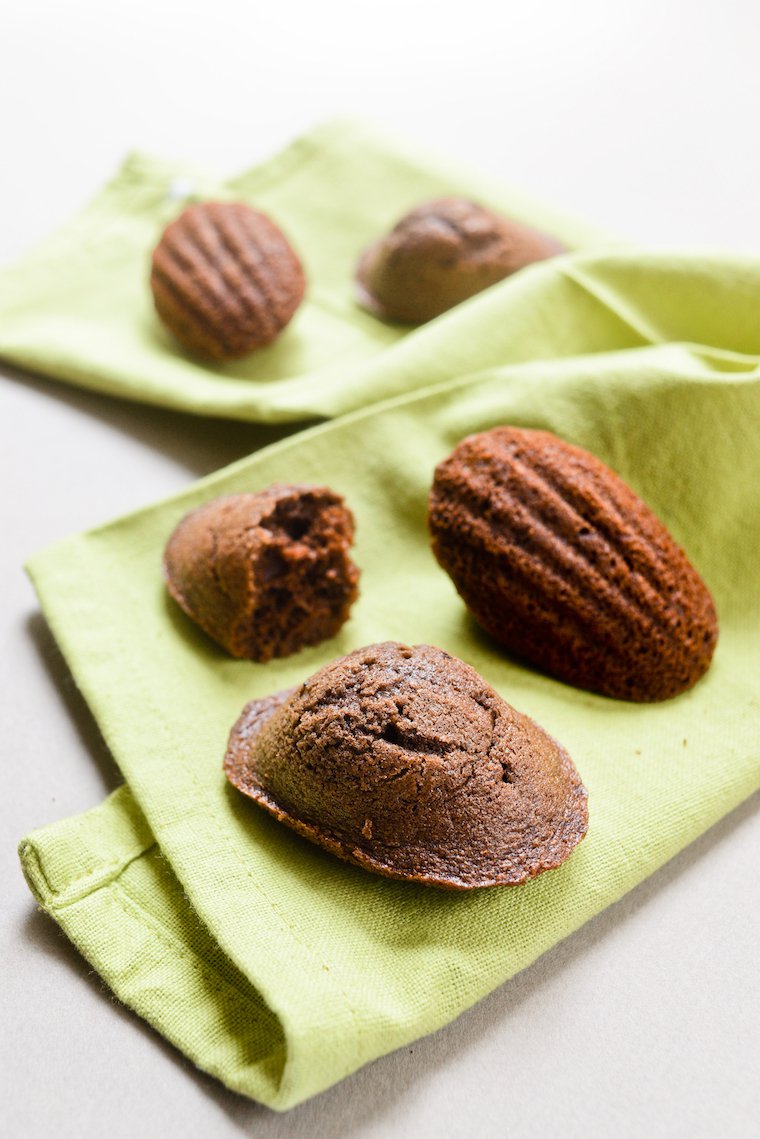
(74, 703)
(201, 443)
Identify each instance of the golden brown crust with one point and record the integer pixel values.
(402, 760)
(224, 279)
(265, 574)
(441, 253)
(560, 561)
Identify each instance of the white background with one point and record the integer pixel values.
(644, 117)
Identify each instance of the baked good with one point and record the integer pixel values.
(563, 564)
(225, 281)
(265, 574)
(402, 760)
(440, 254)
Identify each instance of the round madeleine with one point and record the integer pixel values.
(225, 279)
(402, 760)
(440, 254)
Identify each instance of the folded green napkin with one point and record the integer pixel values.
(273, 965)
(79, 307)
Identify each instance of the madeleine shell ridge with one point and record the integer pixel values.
(564, 565)
(225, 280)
(402, 760)
(267, 573)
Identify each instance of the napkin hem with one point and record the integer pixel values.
(113, 931)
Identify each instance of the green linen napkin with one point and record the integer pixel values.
(273, 965)
(79, 307)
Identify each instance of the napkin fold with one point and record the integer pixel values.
(78, 308)
(271, 964)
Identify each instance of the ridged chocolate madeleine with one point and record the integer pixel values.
(265, 574)
(563, 564)
(402, 760)
(441, 253)
(225, 281)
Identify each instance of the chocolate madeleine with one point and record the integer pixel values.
(225, 281)
(402, 760)
(441, 253)
(265, 574)
(561, 562)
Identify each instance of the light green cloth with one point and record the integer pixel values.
(274, 966)
(79, 307)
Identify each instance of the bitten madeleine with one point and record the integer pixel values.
(402, 760)
(562, 563)
(440, 254)
(225, 280)
(265, 574)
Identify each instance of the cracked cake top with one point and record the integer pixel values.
(403, 760)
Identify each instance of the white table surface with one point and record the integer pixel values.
(643, 116)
